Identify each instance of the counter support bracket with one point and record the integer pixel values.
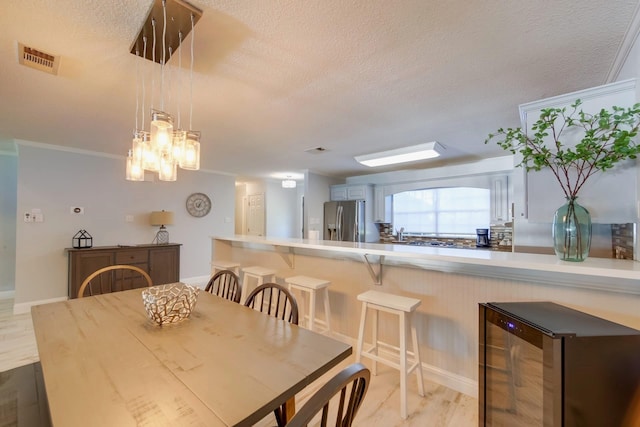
(377, 277)
(287, 255)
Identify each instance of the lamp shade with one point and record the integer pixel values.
(401, 155)
(161, 218)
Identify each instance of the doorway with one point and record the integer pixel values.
(255, 215)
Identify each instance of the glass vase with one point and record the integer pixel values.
(572, 232)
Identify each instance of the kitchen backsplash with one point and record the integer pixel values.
(500, 238)
(622, 240)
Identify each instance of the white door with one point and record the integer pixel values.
(255, 220)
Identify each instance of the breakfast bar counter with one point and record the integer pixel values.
(450, 282)
(601, 273)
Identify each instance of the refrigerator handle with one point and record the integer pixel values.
(339, 223)
(356, 229)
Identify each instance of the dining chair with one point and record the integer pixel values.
(114, 278)
(274, 300)
(356, 375)
(225, 284)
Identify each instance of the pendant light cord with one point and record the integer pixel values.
(193, 36)
(153, 61)
(144, 55)
(164, 47)
(137, 88)
(179, 79)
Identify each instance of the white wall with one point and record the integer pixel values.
(282, 210)
(241, 194)
(316, 192)
(8, 184)
(53, 179)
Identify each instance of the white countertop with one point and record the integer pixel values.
(601, 273)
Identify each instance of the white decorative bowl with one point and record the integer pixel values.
(170, 303)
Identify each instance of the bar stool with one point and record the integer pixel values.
(258, 274)
(310, 286)
(404, 308)
(218, 265)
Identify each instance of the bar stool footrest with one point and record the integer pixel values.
(413, 364)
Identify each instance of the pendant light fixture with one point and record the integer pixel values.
(288, 183)
(163, 148)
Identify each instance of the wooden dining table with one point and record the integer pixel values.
(106, 364)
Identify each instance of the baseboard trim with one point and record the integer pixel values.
(25, 307)
(448, 379)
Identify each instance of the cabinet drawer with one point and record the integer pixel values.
(132, 257)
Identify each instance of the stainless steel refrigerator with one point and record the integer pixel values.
(345, 221)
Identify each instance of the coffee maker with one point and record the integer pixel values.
(482, 238)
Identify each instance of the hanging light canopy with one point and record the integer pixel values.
(166, 145)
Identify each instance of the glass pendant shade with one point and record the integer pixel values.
(168, 168)
(179, 139)
(134, 171)
(190, 158)
(150, 157)
(137, 145)
(161, 130)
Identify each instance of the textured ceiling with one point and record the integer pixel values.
(276, 77)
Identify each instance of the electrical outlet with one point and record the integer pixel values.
(38, 217)
(128, 218)
(28, 217)
(76, 210)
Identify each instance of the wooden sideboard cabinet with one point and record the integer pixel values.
(162, 262)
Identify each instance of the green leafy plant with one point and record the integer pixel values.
(607, 138)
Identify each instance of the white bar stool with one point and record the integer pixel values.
(311, 286)
(258, 274)
(404, 308)
(219, 265)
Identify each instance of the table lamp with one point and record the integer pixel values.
(161, 218)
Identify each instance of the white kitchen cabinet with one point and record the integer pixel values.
(339, 192)
(350, 192)
(610, 197)
(500, 203)
(381, 205)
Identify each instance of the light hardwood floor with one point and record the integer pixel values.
(441, 406)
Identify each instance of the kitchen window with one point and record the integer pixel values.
(442, 211)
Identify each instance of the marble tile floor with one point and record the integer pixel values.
(18, 343)
(441, 406)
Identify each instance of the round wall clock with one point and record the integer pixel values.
(198, 204)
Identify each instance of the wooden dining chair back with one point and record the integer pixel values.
(114, 278)
(346, 406)
(225, 284)
(274, 300)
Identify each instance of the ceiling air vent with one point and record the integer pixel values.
(316, 150)
(37, 59)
